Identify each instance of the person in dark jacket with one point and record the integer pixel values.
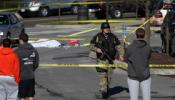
(29, 61)
(137, 56)
(105, 45)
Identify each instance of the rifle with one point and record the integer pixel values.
(110, 60)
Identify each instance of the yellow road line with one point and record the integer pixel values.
(82, 32)
(69, 37)
(85, 45)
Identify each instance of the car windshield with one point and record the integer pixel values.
(4, 20)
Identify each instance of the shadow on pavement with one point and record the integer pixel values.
(117, 90)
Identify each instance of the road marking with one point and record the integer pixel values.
(43, 32)
(82, 32)
(54, 18)
(85, 45)
(66, 37)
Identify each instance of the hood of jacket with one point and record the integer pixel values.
(140, 43)
(26, 46)
(6, 51)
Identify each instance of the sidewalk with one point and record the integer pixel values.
(162, 59)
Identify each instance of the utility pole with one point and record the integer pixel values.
(147, 25)
(167, 37)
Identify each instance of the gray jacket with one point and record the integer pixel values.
(29, 60)
(137, 56)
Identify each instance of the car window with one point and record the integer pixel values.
(4, 20)
(13, 19)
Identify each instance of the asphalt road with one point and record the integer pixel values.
(31, 22)
(81, 83)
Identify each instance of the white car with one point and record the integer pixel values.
(45, 7)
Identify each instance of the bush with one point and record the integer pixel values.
(9, 4)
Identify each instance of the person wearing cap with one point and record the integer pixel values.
(105, 45)
(9, 72)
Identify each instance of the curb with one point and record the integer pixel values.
(65, 26)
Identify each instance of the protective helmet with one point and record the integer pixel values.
(105, 25)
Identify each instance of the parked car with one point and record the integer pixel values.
(11, 25)
(118, 7)
(45, 7)
(168, 26)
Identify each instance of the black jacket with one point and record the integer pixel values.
(137, 56)
(107, 43)
(29, 60)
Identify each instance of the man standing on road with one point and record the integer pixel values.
(105, 45)
(29, 61)
(9, 72)
(137, 56)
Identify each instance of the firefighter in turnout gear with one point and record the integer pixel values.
(105, 45)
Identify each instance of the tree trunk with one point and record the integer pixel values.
(147, 25)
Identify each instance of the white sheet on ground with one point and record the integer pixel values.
(45, 43)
